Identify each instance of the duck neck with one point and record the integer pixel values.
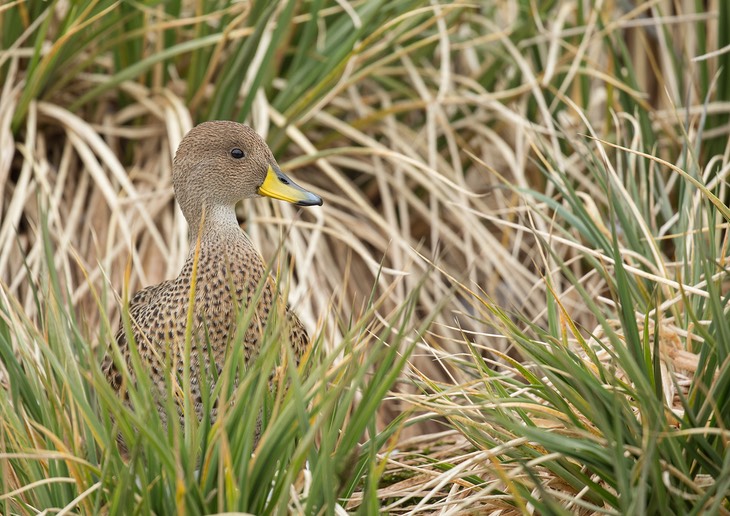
(219, 224)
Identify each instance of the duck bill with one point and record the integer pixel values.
(278, 186)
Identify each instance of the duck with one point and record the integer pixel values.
(217, 164)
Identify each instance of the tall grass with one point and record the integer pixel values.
(559, 167)
(62, 421)
(629, 415)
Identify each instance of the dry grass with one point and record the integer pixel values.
(423, 171)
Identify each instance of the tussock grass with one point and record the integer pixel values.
(531, 192)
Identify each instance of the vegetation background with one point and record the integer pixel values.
(517, 282)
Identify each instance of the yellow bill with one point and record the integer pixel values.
(278, 186)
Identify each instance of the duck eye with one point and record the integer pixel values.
(237, 153)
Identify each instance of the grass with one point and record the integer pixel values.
(59, 407)
(517, 282)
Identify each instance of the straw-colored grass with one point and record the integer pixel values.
(529, 195)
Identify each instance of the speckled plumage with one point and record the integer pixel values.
(208, 182)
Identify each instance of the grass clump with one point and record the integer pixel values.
(62, 422)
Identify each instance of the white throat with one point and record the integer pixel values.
(219, 222)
